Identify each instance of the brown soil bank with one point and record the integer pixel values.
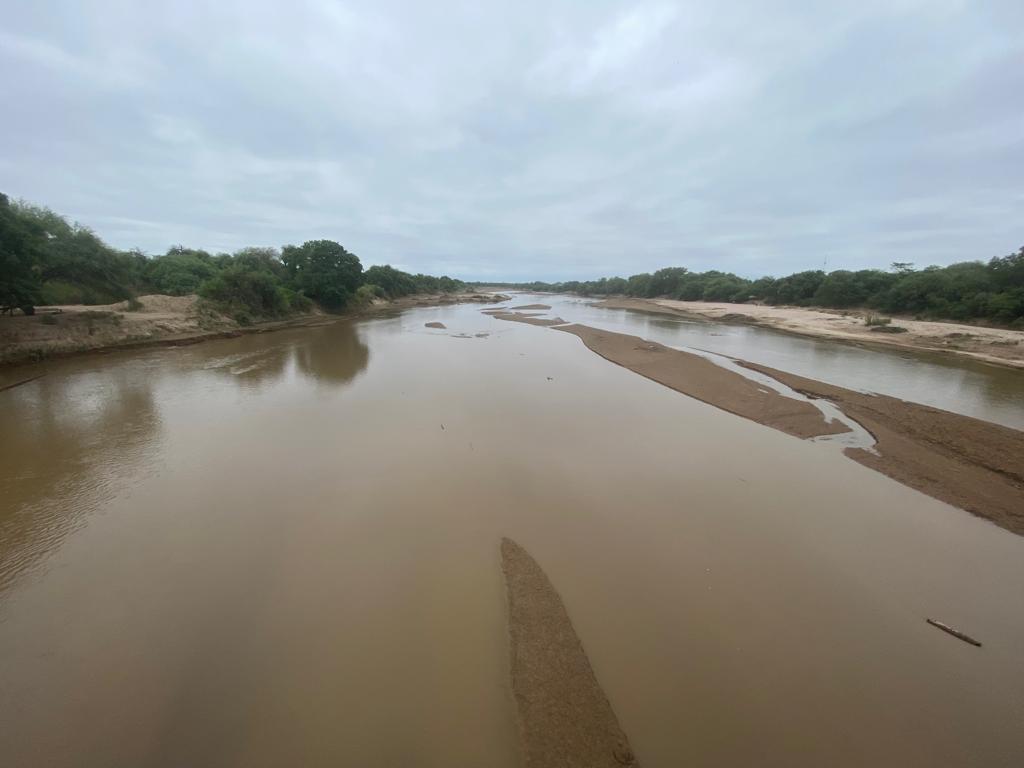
(158, 321)
(992, 345)
(565, 718)
(704, 380)
(972, 464)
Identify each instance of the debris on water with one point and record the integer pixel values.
(550, 379)
(954, 632)
(442, 427)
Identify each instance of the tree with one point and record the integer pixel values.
(21, 244)
(324, 271)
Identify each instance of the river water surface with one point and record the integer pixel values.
(283, 549)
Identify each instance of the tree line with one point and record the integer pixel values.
(992, 291)
(46, 260)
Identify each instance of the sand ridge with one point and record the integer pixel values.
(565, 719)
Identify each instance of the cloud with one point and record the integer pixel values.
(527, 139)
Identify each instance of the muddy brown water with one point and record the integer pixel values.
(284, 550)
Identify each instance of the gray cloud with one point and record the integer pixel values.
(527, 139)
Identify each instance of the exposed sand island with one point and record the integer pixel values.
(704, 380)
(565, 719)
(530, 318)
(972, 464)
(993, 345)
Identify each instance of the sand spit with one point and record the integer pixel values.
(993, 345)
(531, 306)
(526, 317)
(435, 324)
(972, 464)
(565, 719)
(704, 380)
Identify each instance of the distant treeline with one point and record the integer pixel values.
(970, 290)
(44, 259)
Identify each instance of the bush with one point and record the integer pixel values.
(246, 294)
(297, 301)
(365, 294)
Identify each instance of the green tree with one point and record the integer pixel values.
(324, 271)
(180, 271)
(21, 252)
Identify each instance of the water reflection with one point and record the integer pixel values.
(74, 435)
(70, 434)
(335, 354)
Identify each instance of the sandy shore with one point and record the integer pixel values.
(161, 321)
(565, 719)
(993, 345)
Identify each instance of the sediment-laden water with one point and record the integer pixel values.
(284, 549)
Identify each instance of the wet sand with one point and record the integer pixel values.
(528, 318)
(705, 381)
(969, 463)
(992, 345)
(565, 719)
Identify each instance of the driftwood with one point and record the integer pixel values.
(954, 632)
(23, 381)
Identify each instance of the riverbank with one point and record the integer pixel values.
(158, 320)
(992, 345)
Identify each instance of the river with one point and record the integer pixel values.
(283, 549)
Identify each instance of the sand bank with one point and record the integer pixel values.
(966, 462)
(530, 318)
(972, 464)
(704, 380)
(993, 345)
(565, 719)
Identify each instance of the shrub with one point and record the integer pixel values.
(365, 294)
(245, 294)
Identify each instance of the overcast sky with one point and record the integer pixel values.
(527, 139)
